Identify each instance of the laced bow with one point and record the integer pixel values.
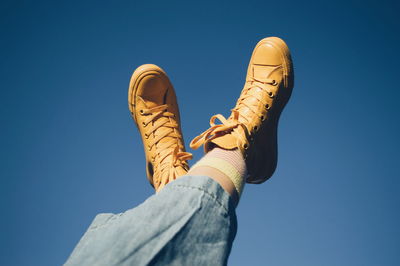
(168, 155)
(216, 130)
(236, 123)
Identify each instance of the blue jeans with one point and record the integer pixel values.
(191, 221)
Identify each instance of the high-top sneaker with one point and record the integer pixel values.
(154, 108)
(252, 125)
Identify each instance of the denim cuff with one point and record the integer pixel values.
(207, 185)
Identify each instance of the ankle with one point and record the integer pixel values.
(227, 167)
(222, 179)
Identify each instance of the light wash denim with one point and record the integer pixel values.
(192, 221)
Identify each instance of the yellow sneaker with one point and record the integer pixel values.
(154, 108)
(252, 125)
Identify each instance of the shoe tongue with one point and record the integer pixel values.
(150, 104)
(147, 103)
(227, 142)
(261, 72)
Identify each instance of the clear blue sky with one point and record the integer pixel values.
(69, 149)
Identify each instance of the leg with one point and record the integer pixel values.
(190, 217)
(194, 215)
(186, 219)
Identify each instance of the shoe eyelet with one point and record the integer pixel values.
(271, 95)
(267, 106)
(262, 118)
(141, 111)
(255, 128)
(274, 83)
(143, 123)
(245, 146)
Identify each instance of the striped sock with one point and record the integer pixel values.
(229, 162)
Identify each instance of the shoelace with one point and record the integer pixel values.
(164, 168)
(217, 130)
(249, 93)
(232, 125)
